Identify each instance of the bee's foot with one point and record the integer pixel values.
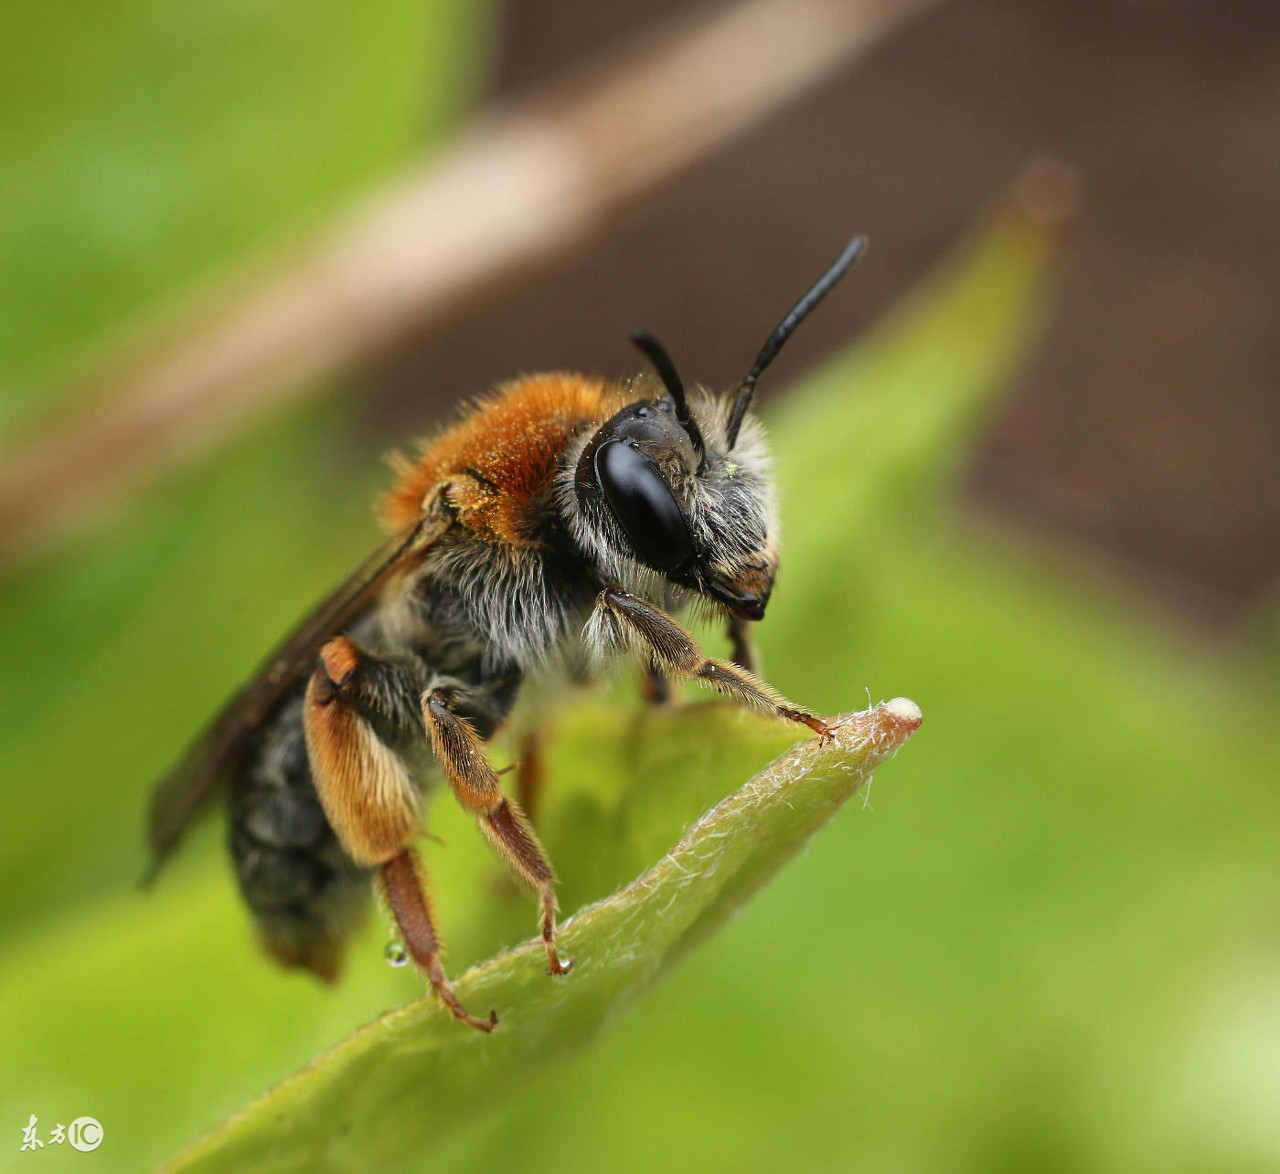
(485, 1025)
(445, 994)
(826, 734)
(555, 966)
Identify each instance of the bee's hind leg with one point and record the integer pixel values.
(360, 712)
(461, 755)
(404, 883)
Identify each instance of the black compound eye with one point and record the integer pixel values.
(642, 502)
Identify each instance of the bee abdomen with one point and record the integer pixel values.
(306, 894)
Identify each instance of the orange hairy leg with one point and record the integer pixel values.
(461, 755)
(368, 796)
(364, 786)
(678, 654)
(404, 883)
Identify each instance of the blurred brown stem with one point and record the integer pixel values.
(518, 186)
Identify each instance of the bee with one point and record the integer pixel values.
(553, 528)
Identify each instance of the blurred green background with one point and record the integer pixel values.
(1049, 942)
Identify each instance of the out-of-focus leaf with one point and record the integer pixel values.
(144, 144)
(873, 436)
(400, 1084)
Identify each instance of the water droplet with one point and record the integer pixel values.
(395, 953)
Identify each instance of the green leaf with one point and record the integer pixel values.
(365, 1104)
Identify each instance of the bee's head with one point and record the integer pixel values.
(665, 492)
(678, 486)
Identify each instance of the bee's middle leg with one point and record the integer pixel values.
(462, 757)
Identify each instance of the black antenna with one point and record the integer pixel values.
(666, 369)
(799, 312)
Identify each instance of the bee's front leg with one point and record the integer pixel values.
(359, 710)
(461, 755)
(676, 651)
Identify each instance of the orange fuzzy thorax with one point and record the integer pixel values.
(506, 451)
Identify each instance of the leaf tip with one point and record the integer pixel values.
(880, 730)
(901, 714)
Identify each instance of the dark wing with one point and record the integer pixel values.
(187, 787)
